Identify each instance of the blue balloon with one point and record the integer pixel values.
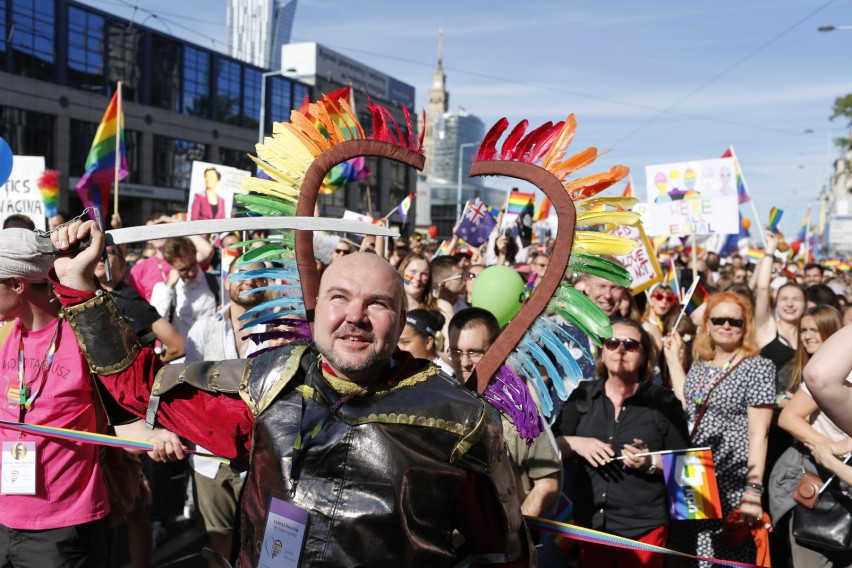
(5, 161)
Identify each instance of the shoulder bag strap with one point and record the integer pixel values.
(703, 408)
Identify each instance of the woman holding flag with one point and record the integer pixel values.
(623, 414)
(728, 396)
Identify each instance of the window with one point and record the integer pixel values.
(251, 97)
(173, 159)
(123, 56)
(228, 91)
(3, 34)
(84, 132)
(196, 83)
(236, 158)
(85, 50)
(279, 101)
(33, 38)
(165, 68)
(28, 133)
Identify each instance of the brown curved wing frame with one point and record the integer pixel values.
(566, 217)
(305, 259)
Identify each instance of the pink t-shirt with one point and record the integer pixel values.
(144, 275)
(69, 486)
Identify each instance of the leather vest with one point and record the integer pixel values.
(381, 477)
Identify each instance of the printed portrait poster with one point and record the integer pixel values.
(20, 194)
(692, 198)
(211, 190)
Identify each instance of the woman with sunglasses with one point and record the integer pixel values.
(417, 277)
(612, 424)
(728, 395)
(661, 303)
(802, 418)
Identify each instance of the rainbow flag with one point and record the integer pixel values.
(831, 263)
(48, 185)
(803, 231)
(845, 266)
(518, 201)
(695, 296)
(742, 190)
(754, 254)
(444, 249)
(671, 280)
(774, 217)
(94, 187)
(691, 485)
(543, 210)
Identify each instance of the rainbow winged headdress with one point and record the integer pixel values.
(300, 153)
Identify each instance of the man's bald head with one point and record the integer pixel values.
(366, 263)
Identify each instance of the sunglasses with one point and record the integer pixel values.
(612, 344)
(660, 297)
(733, 322)
(344, 252)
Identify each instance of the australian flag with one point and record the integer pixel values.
(476, 223)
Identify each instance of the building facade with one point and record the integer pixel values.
(60, 62)
(258, 28)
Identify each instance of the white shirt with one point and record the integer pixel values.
(194, 301)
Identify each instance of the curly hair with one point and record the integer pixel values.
(705, 348)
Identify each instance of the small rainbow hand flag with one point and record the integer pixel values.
(774, 217)
(518, 201)
(671, 280)
(695, 296)
(754, 254)
(691, 485)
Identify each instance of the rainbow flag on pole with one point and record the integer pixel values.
(672, 281)
(742, 190)
(691, 485)
(774, 217)
(107, 155)
(518, 201)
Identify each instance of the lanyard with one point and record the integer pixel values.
(26, 394)
(311, 423)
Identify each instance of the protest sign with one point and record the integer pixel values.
(642, 263)
(213, 182)
(692, 198)
(21, 195)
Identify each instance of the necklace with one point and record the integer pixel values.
(710, 377)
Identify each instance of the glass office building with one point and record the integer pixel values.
(60, 62)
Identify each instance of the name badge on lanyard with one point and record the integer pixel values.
(284, 535)
(19, 468)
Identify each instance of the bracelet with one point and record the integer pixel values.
(754, 488)
(652, 469)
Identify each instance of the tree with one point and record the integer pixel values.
(843, 109)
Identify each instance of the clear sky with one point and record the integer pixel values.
(653, 81)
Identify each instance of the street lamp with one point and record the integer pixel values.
(459, 186)
(263, 78)
(830, 28)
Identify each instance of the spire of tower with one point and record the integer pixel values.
(440, 47)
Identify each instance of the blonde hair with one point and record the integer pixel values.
(828, 321)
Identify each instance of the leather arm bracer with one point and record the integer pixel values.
(106, 340)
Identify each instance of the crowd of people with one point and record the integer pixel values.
(744, 374)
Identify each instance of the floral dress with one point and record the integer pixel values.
(724, 428)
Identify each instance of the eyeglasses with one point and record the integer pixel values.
(469, 276)
(612, 344)
(344, 252)
(474, 356)
(660, 297)
(733, 322)
(187, 269)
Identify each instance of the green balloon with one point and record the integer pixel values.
(500, 290)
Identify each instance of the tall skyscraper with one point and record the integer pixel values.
(258, 28)
(439, 101)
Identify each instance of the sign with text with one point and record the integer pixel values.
(20, 194)
(693, 216)
(682, 180)
(641, 263)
